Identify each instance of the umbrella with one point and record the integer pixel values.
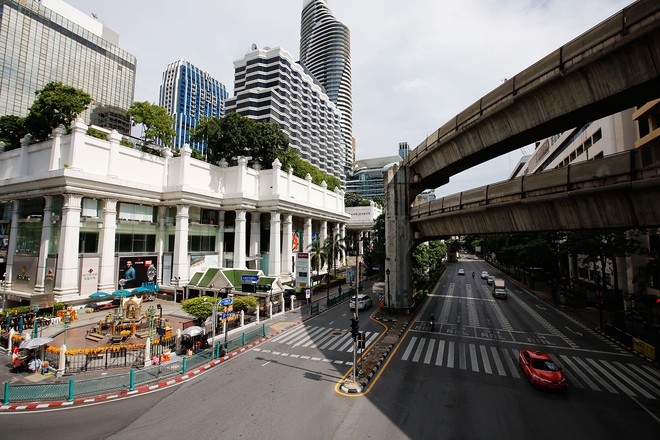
(34, 343)
(100, 295)
(121, 293)
(193, 331)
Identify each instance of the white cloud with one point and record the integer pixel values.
(415, 64)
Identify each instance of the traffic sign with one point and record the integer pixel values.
(308, 293)
(249, 278)
(226, 301)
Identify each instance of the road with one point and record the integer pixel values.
(460, 381)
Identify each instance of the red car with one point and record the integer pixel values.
(541, 370)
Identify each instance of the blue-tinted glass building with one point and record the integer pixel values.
(189, 94)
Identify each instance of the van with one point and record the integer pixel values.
(499, 289)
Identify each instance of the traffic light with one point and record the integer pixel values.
(355, 327)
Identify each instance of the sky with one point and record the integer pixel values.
(415, 63)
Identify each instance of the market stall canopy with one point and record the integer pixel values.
(34, 343)
(193, 331)
(101, 295)
(121, 293)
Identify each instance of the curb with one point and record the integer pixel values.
(364, 382)
(627, 348)
(145, 388)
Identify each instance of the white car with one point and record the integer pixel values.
(461, 271)
(364, 302)
(484, 275)
(490, 279)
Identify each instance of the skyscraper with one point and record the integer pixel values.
(325, 50)
(189, 94)
(49, 41)
(270, 86)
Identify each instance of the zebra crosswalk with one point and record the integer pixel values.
(584, 372)
(322, 338)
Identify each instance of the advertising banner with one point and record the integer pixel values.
(134, 270)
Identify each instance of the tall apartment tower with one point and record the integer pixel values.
(270, 86)
(325, 50)
(49, 40)
(189, 94)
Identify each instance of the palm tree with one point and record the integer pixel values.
(318, 253)
(335, 247)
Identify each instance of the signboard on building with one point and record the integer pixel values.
(303, 274)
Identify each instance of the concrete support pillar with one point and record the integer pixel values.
(66, 280)
(107, 281)
(11, 247)
(399, 236)
(344, 256)
(180, 263)
(274, 255)
(220, 239)
(40, 282)
(239, 240)
(287, 252)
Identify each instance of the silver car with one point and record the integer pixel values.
(364, 302)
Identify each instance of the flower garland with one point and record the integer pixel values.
(97, 350)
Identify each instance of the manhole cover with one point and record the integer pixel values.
(338, 332)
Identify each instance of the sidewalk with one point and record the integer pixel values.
(171, 311)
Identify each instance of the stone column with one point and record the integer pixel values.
(180, 263)
(66, 280)
(25, 142)
(274, 255)
(287, 252)
(336, 235)
(11, 248)
(78, 133)
(47, 224)
(107, 280)
(239, 240)
(255, 235)
(220, 238)
(113, 161)
(307, 235)
(323, 235)
(56, 150)
(160, 242)
(344, 257)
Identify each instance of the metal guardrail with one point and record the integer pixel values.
(121, 382)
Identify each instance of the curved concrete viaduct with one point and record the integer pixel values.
(611, 67)
(620, 190)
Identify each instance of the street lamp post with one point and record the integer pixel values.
(215, 314)
(67, 321)
(389, 296)
(4, 290)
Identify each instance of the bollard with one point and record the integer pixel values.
(132, 381)
(263, 330)
(243, 339)
(184, 365)
(70, 398)
(6, 399)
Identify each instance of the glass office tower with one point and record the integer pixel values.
(189, 94)
(49, 41)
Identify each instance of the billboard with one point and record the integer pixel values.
(134, 270)
(302, 270)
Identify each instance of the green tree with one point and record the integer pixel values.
(244, 303)
(200, 307)
(236, 135)
(56, 104)
(334, 248)
(156, 121)
(352, 199)
(375, 256)
(12, 130)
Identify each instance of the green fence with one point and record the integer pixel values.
(122, 382)
(339, 298)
